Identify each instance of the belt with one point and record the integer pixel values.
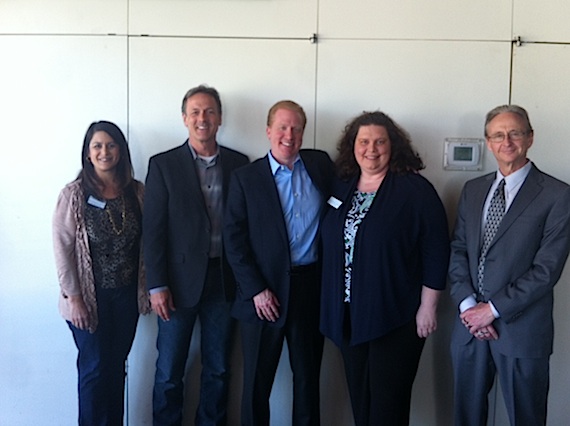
(303, 269)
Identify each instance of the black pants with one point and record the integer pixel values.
(262, 344)
(380, 375)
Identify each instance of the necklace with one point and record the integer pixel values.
(123, 216)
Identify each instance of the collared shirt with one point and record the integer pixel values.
(513, 184)
(210, 175)
(301, 205)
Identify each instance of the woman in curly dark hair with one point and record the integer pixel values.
(385, 257)
(97, 243)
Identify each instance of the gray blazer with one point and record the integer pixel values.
(524, 261)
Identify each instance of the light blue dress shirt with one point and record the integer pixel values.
(301, 204)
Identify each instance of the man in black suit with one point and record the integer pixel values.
(271, 237)
(187, 274)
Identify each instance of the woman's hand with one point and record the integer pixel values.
(426, 317)
(426, 320)
(79, 312)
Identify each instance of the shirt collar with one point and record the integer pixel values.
(206, 162)
(275, 166)
(515, 178)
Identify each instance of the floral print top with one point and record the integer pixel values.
(361, 202)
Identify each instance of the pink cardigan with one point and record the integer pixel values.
(73, 258)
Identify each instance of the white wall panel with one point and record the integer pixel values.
(52, 89)
(416, 19)
(541, 21)
(541, 86)
(223, 18)
(251, 75)
(434, 90)
(63, 16)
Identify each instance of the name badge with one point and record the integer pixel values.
(95, 202)
(334, 202)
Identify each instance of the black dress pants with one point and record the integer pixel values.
(262, 345)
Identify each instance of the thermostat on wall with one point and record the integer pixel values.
(463, 154)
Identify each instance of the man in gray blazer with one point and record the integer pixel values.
(187, 274)
(511, 241)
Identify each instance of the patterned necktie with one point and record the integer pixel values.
(494, 216)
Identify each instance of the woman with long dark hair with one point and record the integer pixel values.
(97, 244)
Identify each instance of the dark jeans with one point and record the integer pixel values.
(102, 356)
(173, 343)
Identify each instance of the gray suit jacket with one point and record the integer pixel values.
(523, 264)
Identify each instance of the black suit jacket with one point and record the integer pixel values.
(176, 226)
(255, 234)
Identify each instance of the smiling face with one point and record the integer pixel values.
(286, 136)
(510, 153)
(202, 118)
(104, 153)
(373, 149)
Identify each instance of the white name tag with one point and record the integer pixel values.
(95, 202)
(334, 202)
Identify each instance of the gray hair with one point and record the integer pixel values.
(513, 109)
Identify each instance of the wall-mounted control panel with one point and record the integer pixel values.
(463, 154)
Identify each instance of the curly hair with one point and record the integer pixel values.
(403, 157)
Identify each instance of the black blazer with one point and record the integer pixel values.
(401, 245)
(176, 226)
(255, 234)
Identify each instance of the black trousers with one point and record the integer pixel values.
(262, 345)
(380, 375)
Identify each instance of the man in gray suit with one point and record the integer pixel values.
(511, 241)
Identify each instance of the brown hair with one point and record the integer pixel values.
(403, 157)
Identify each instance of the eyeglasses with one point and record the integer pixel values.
(514, 135)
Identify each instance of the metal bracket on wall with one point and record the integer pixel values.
(314, 38)
(517, 41)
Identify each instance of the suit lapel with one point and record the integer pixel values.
(227, 167)
(270, 201)
(478, 204)
(189, 177)
(312, 170)
(528, 192)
